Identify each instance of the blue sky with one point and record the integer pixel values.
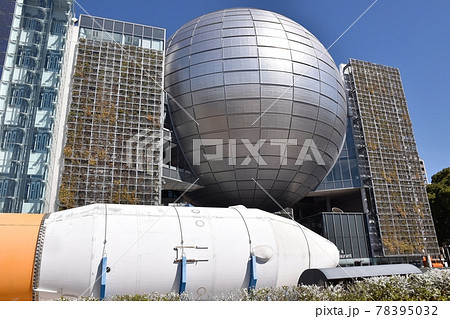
(412, 35)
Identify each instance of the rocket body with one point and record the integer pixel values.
(106, 250)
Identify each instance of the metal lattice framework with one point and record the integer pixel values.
(391, 161)
(116, 97)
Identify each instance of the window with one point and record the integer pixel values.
(29, 77)
(9, 139)
(86, 21)
(53, 58)
(157, 45)
(19, 95)
(58, 27)
(128, 39)
(158, 34)
(4, 188)
(32, 23)
(34, 190)
(36, 38)
(136, 41)
(108, 26)
(138, 30)
(22, 120)
(26, 57)
(40, 142)
(128, 29)
(47, 99)
(96, 35)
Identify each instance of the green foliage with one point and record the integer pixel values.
(430, 286)
(439, 196)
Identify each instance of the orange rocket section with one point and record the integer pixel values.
(18, 238)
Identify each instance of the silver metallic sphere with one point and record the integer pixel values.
(258, 105)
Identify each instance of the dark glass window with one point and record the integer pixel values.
(345, 170)
(138, 30)
(36, 38)
(26, 57)
(109, 25)
(158, 34)
(4, 188)
(29, 77)
(337, 171)
(86, 21)
(118, 27)
(52, 63)
(31, 23)
(22, 120)
(58, 27)
(19, 95)
(148, 32)
(34, 190)
(128, 28)
(41, 142)
(9, 139)
(98, 24)
(47, 99)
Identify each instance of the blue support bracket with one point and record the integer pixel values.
(253, 277)
(183, 275)
(103, 279)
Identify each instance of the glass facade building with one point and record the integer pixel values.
(114, 121)
(378, 172)
(32, 45)
(345, 173)
(6, 17)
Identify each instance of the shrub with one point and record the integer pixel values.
(430, 286)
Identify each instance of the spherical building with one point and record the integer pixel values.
(258, 106)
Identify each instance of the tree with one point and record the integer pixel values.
(439, 196)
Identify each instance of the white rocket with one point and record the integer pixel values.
(106, 250)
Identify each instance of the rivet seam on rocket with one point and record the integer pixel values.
(38, 256)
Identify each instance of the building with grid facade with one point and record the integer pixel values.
(384, 136)
(33, 48)
(378, 174)
(115, 116)
(6, 17)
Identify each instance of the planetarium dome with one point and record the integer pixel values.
(258, 107)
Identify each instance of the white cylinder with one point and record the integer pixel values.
(144, 247)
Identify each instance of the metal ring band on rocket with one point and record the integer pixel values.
(37, 258)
